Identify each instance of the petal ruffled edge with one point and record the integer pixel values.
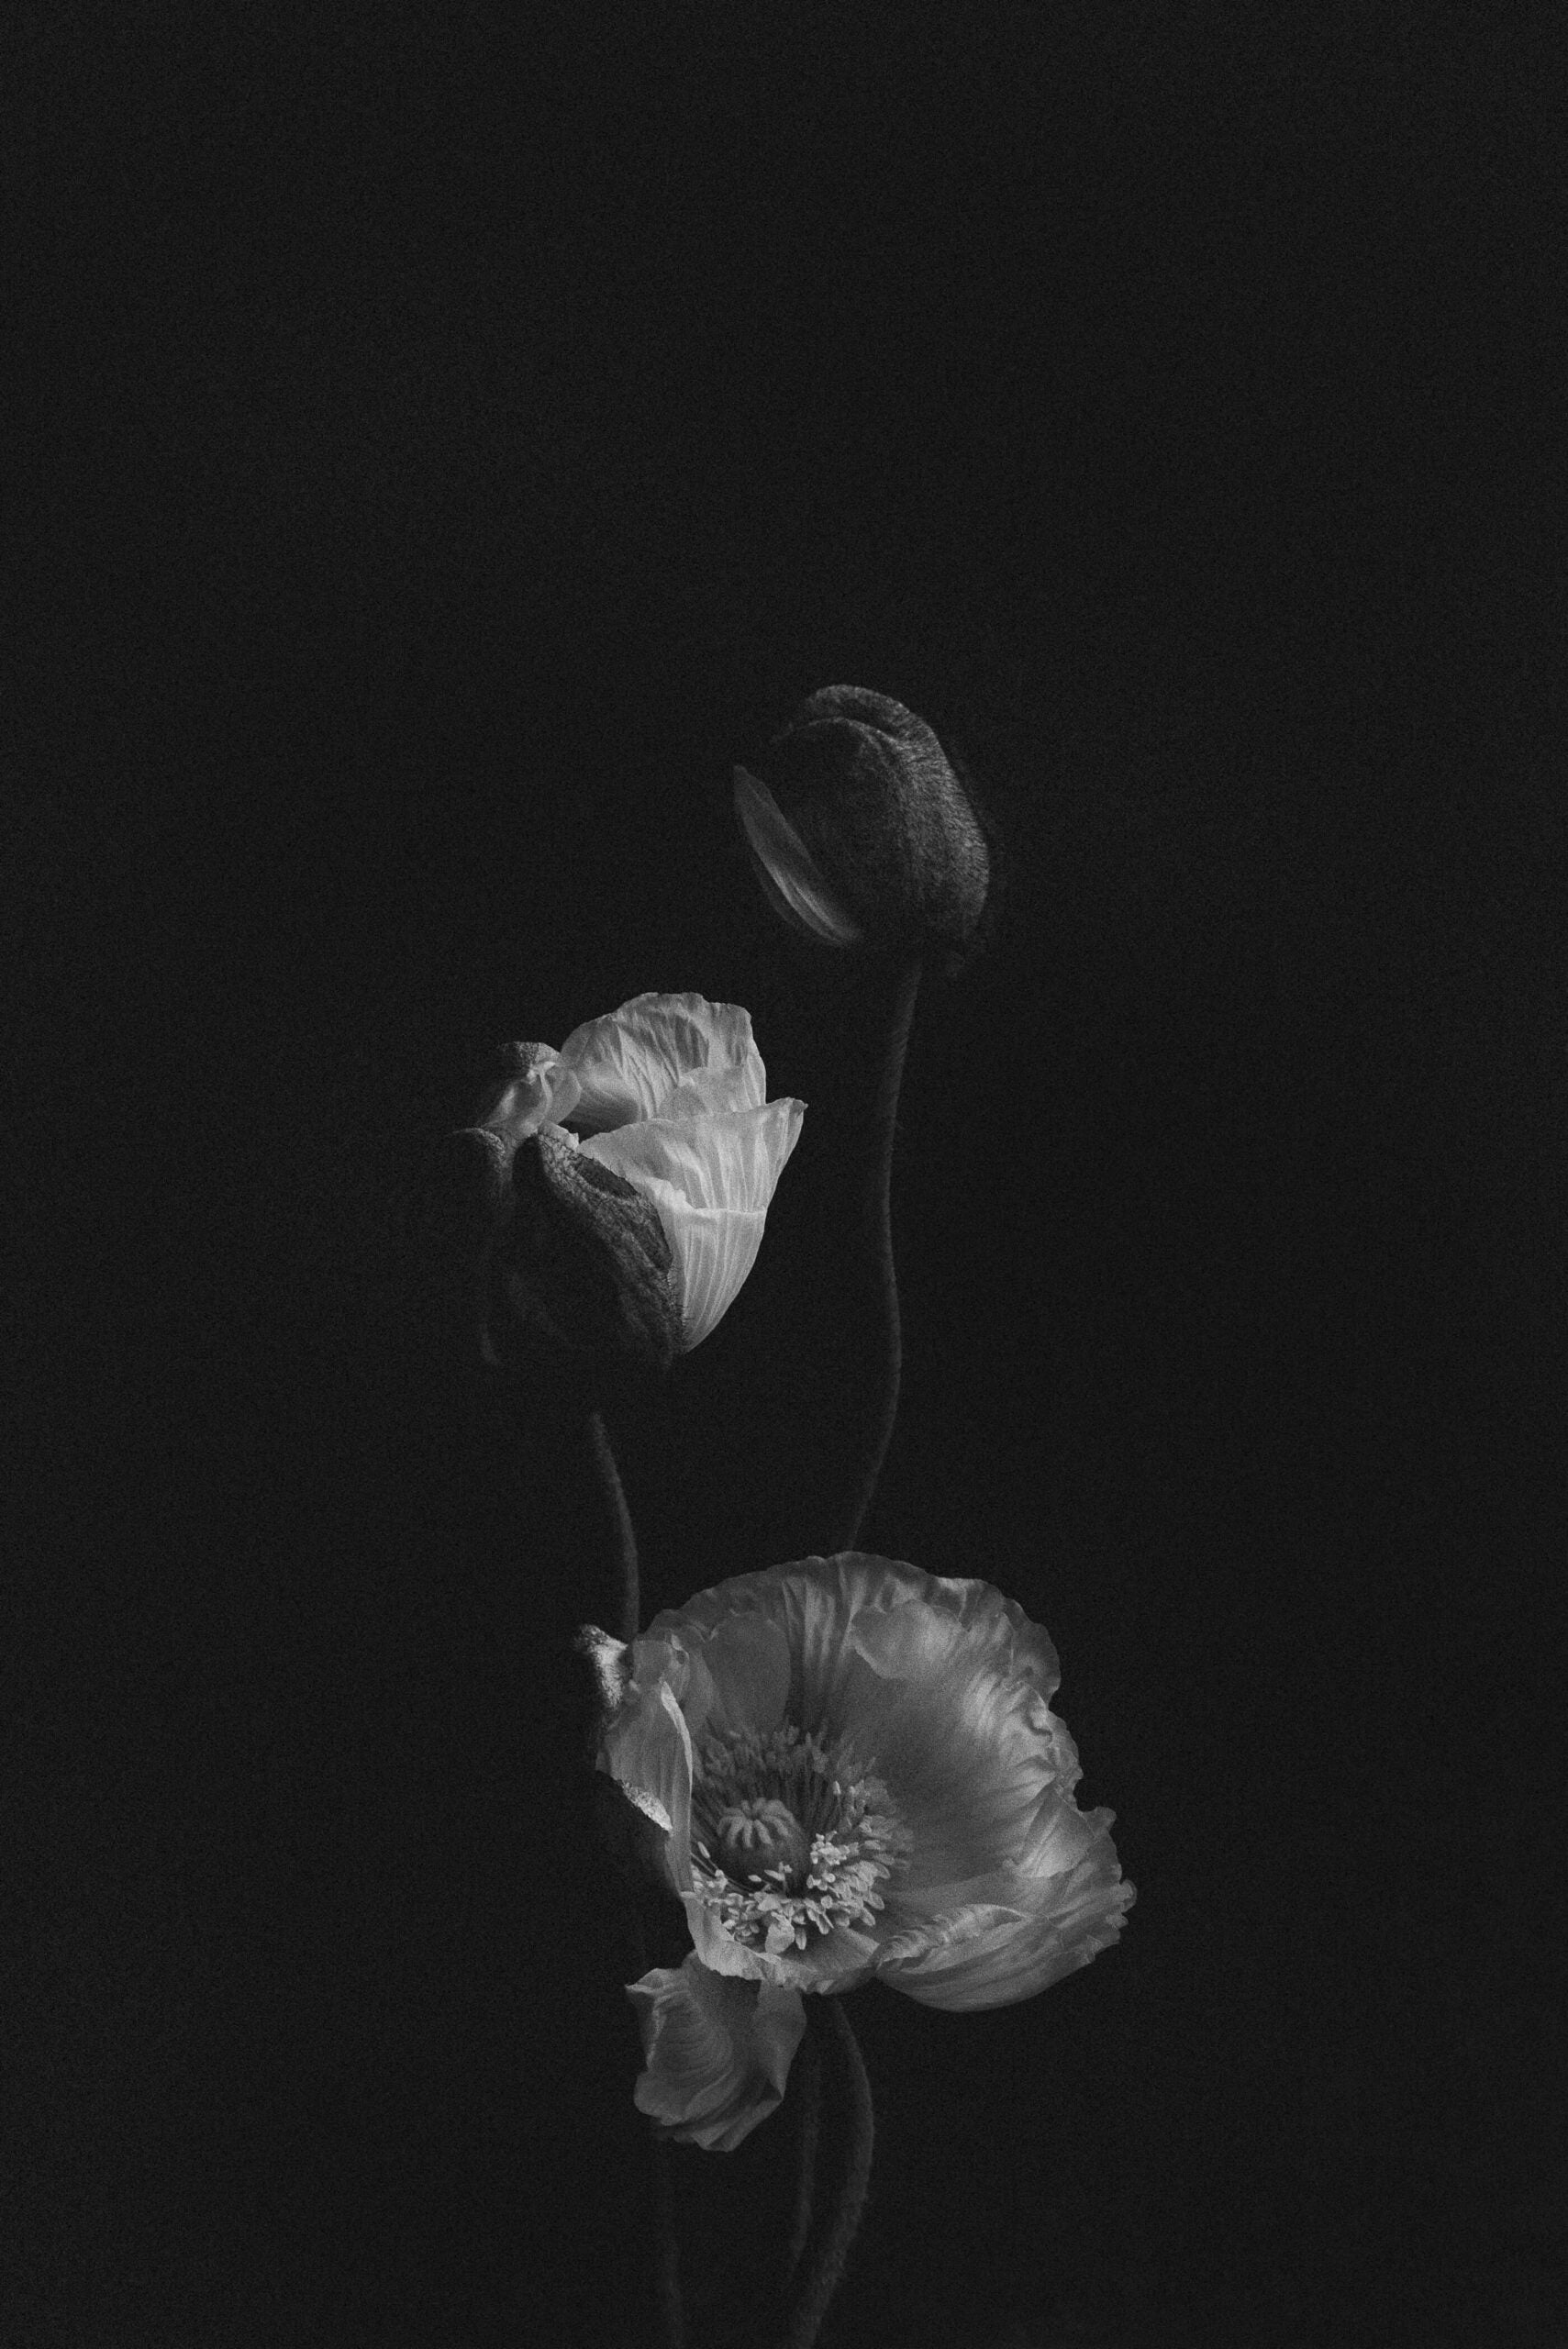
(991, 1954)
(818, 1602)
(628, 1061)
(716, 2053)
(711, 1179)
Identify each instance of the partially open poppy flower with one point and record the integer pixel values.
(853, 1770)
(635, 1168)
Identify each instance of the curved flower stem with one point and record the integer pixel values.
(826, 2257)
(667, 2275)
(882, 1124)
(627, 1611)
(806, 2078)
(627, 1616)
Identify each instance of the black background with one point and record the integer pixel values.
(446, 441)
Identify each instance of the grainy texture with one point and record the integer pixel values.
(444, 442)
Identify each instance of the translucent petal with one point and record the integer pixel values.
(711, 1179)
(791, 880)
(971, 1756)
(850, 1675)
(710, 1091)
(628, 1063)
(963, 1867)
(717, 2051)
(545, 1091)
(992, 1955)
(648, 1749)
(748, 1662)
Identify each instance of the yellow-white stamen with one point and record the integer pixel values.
(790, 1838)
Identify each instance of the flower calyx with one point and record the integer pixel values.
(556, 1248)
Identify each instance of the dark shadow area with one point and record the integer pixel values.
(444, 445)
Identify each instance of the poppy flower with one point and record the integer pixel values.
(633, 1169)
(852, 1771)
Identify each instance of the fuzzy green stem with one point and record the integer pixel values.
(881, 1126)
(667, 2272)
(627, 1613)
(829, 2252)
(806, 2080)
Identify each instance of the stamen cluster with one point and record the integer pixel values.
(772, 1887)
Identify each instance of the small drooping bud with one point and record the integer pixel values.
(860, 831)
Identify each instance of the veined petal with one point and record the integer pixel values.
(731, 1160)
(710, 1092)
(646, 1749)
(974, 1757)
(791, 880)
(628, 1063)
(848, 1674)
(711, 1179)
(747, 1660)
(942, 1874)
(994, 1955)
(717, 2051)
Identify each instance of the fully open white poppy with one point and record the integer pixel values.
(855, 1771)
(670, 1093)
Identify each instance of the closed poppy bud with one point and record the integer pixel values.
(627, 1180)
(860, 831)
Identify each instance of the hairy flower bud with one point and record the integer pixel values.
(860, 831)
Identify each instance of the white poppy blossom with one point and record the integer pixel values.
(855, 1772)
(670, 1093)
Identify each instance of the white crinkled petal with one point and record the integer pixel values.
(628, 1063)
(711, 1179)
(717, 2051)
(992, 1955)
(966, 1866)
(710, 1093)
(976, 1762)
(855, 1667)
(791, 880)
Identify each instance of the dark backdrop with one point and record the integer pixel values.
(445, 440)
